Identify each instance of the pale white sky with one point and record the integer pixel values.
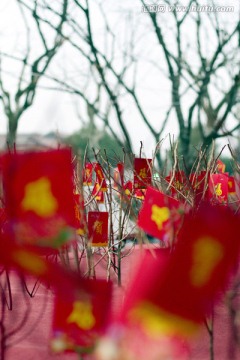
(51, 111)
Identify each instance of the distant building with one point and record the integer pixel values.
(33, 141)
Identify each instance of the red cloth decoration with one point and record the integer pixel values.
(31, 260)
(100, 177)
(160, 214)
(87, 174)
(172, 293)
(179, 182)
(142, 173)
(39, 195)
(80, 219)
(98, 228)
(78, 322)
(118, 176)
(98, 194)
(231, 185)
(218, 189)
(200, 184)
(220, 166)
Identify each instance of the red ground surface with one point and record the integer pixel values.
(28, 324)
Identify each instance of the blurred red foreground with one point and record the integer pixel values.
(28, 324)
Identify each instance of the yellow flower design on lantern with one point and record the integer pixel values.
(155, 321)
(207, 253)
(99, 172)
(82, 315)
(143, 173)
(30, 262)
(218, 189)
(160, 215)
(38, 197)
(98, 226)
(87, 172)
(178, 185)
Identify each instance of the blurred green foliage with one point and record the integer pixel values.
(90, 139)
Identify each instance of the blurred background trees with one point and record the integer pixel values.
(27, 64)
(139, 72)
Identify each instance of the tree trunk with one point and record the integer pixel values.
(184, 148)
(12, 131)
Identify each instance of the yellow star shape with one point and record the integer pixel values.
(82, 315)
(38, 197)
(160, 215)
(207, 253)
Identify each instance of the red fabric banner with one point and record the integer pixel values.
(98, 228)
(231, 185)
(87, 174)
(32, 260)
(80, 218)
(98, 194)
(178, 183)
(218, 189)
(171, 293)
(128, 189)
(199, 184)
(100, 176)
(142, 173)
(160, 214)
(118, 176)
(220, 166)
(38, 189)
(80, 321)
